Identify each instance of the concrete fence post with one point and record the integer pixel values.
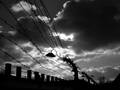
(42, 77)
(18, 72)
(48, 78)
(37, 76)
(7, 69)
(52, 79)
(29, 74)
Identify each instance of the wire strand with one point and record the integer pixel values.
(48, 14)
(13, 58)
(40, 11)
(13, 28)
(37, 27)
(23, 29)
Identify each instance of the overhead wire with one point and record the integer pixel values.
(52, 28)
(22, 28)
(26, 65)
(50, 31)
(40, 12)
(13, 58)
(13, 41)
(48, 15)
(17, 21)
(25, 51)
(38, 29)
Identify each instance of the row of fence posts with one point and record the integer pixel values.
(37, 76)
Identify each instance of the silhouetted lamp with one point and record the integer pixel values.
(50, 55)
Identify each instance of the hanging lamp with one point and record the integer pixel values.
(50, 55)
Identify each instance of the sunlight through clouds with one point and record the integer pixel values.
(22, 5)
(64, 37)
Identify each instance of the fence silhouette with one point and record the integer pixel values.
(37, 76)
(41, 81)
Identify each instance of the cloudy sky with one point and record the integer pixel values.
(87, 32)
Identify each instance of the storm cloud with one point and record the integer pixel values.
(95, 22)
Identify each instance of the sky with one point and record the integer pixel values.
(88, 31)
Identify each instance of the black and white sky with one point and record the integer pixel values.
(88, 29)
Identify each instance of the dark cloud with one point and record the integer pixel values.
(94, 22)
